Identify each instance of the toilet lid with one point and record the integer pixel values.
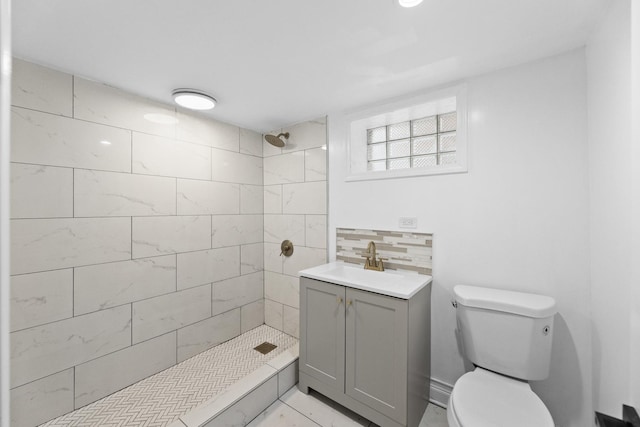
(485, 399)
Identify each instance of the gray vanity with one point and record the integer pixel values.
(365, 340)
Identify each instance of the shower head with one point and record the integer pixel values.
(277, 141)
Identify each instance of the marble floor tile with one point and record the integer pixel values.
(281, 415)
(322, 410)
(434, 416)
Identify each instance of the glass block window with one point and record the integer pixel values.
(421, 143)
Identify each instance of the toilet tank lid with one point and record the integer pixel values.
(523, 304)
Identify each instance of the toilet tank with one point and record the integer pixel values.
(506, 332)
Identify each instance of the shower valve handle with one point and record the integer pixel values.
(286, 248)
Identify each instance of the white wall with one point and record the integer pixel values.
(517, 220)
(610, 178)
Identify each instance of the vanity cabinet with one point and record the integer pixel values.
(367, 351)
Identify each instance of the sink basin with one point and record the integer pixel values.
(390, 282)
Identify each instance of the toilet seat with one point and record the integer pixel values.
(485, 399)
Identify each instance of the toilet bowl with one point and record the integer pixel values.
(507, 335)
(485, 399)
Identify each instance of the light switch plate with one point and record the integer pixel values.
(408, 222)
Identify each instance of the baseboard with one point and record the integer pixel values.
(439, 392)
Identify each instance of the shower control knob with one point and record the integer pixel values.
(286, 248)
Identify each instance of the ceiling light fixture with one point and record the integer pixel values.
(409, 3)
(193, 99)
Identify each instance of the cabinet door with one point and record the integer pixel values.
(322, 331)
(376, 352)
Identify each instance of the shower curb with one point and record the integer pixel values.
(247, 398)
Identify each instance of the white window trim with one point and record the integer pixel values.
(401, 110)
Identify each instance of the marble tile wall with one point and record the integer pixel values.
(137, 238)
(295, 208)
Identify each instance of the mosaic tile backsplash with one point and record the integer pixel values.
(403, 250)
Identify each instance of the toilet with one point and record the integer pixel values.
(507, 336)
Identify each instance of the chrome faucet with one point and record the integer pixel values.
(371, 263)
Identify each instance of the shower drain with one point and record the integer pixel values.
(265, 347)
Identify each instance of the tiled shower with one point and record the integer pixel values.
(140, 236)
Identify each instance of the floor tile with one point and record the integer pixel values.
(434, 416)
(322, 410)
(281, 415)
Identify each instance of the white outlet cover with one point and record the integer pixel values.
(408, 222)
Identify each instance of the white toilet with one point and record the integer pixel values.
(507, 336)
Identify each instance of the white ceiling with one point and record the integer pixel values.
(272, 63)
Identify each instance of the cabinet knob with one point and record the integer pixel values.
(349, 302)
(339, 300)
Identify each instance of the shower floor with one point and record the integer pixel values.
(163, 397)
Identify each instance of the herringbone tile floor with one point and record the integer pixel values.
(163, 397)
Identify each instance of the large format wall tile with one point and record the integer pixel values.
(48, 244)
(40, 298)
(201, 130)
(229, 230)
(291, 321)
(280, 227)
(272, 257)
(206, 197)
(316, 231)
(154, 236)
(306, 135)
(251, 258)
(315, 165)
(159, 315)
(201, 267)
(236, 292)
(273, 314)
(282, 288)
(39, 401)
(251, 199)
(99, 103)
(110, 373)
(305, 198)
(251, 142)
(122, 194)
(304, 258)
(203, 335)
(44, 350)
(40, 88)
(101, 286)
(273, 199)
(228, 166)
(284, 169)
(251, 315)
(41, 191)
(154, 155)
(46, 139)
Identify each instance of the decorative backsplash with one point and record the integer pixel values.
(403, 250)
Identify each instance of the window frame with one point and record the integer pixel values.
(401, 110)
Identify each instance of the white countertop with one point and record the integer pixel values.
(393, 283)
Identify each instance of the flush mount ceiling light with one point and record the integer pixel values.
(193, 99)
(409, 3)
